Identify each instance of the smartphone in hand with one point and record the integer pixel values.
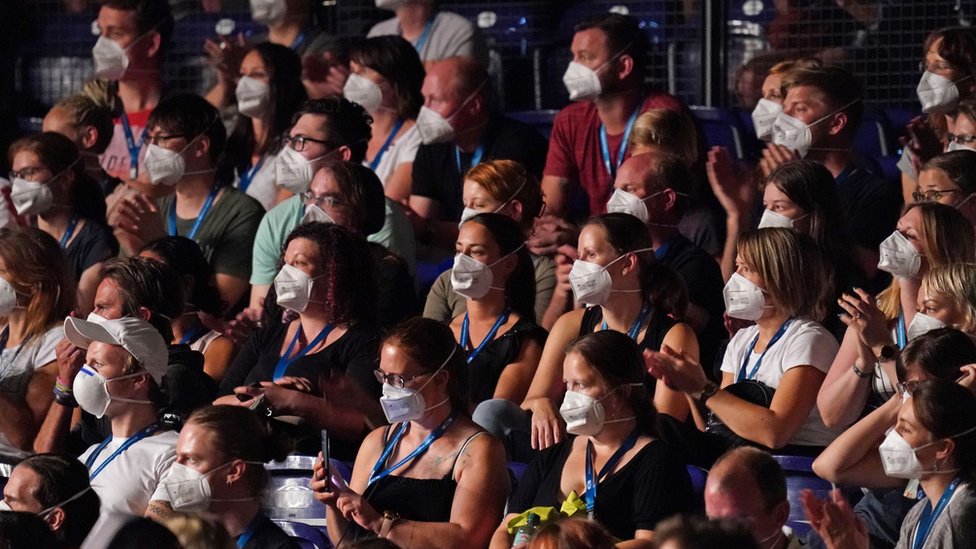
(325, 460)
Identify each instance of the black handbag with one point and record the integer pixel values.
(750, 390)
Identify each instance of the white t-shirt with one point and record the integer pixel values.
(17, 365)
(401, 151)
(262, 187)
(805, 343)
(450, 35)
(126, 484)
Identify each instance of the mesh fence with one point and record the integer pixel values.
(529, 42)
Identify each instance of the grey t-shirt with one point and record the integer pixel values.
(450, 35)
(954, 528)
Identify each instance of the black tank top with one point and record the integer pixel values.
(657, 327)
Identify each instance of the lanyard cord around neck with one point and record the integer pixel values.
(593, 480)
(752, 346)
(466, 336)
(378, 474)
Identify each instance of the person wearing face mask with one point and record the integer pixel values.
(747, 484)
(202, 303)
(348, 194)
(386, 77)
(431, 447)
(655, 188)
(51, 187)
(125, 361)
(319, 365)
(135, 287)
(780, 285)
(962, 127)
(36, 293)
(822, 110)
(590, 138)
(435, 34)
(324, 131)
(89, 126)
(933, 445)
(614, 468)
(853, 458)
(55, 487)
(185, 160)
(504, 187)
(801, 195)
(219, 471)
(624, 288)
(269, 92)
(948, 69)
(950, 179)
(501, 341)
(460, 129)
(133, 38)
(929, 235)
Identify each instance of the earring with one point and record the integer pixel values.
(935, 466)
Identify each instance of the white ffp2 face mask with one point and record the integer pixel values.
(743, 299)
(898, 256)
(923, 324)
(624, 202)
(30, 197)
(472, 278)
(775, 219)
(794, 134)
(364, 91)
(406, 404)
(294, 172)
(585, 415)
(90, 390)
(900, 460)
(166, 166)
(937, 93)
(111, 60)
(763, 117)
(293, 288)
(189, 490)
(268, 12)
(591, 282)
(253, 97)
(435, 128)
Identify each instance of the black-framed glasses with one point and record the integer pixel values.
(933, 195)
(396, 380)
(297, 142)
(325, 200)
(27, 173)
(160, 137)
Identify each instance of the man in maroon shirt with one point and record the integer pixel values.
(589, 137)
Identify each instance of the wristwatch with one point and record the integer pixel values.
(389, 518)
(707, 392)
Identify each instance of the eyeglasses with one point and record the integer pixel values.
(962, 139)
(396, 380)
(297, 142)
(326, 200)
(160, 137)
(27, 173)
(930, 196)
(906, 387)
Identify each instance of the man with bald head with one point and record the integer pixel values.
(747, 484)
(654, 188)
(459, 129)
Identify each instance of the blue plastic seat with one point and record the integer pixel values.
(307, 536)
(721, 128)
(874, 137)
(541, 120)
(799, 477)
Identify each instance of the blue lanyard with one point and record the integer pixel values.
(592, 481)
(638, 322)
(133, 146)
(377, 474)
(386, 145)
(249, 174)
(248, 532)
(900, 330)
(424, 35)
(745, 361)
(929, 515)
(299, 40)
(475, 160)
(466, 338)
(125, 446)
(284, 362)
(69, 231)
(605, 147)
(203, 214)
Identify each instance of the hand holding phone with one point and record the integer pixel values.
(325, 460)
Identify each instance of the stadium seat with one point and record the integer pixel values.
(721, 128)
(874, 136)
(308, 537)
(288, 495)
(541, 120)
(698, 477)
(799, 477)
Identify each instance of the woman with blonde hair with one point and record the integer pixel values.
(504, 187)
(666, 131)
(36, 293)
(771, 370)
(928, 235)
